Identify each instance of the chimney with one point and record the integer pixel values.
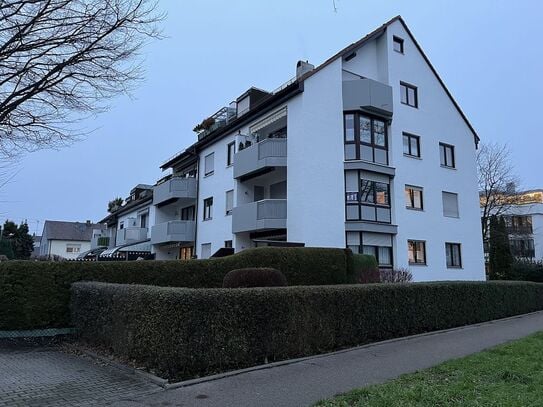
(302, 67)
(88, 222)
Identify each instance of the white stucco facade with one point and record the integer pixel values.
(296, 182)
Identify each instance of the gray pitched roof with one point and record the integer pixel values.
(60, 230)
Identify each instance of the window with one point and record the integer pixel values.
(366, 199)
(230, 151)
(121, 225)
(411, 145)
(398, 44)
(229, 201)
(228, 244)
(416, 251)
(454, 258)
(188, 213)
(409, 95)
(143, 220)
(446, 153)
(523, 248)
(209, 164)
(206, 251)
(365, 138)
(413, 197)
(378, 245)
(518, 224)
(450, 204)
(73, 248)
(208, 208)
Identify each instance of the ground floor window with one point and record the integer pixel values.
(73, 248)
(185, 253)
(416, 251)
(378, 245)
(454, 257)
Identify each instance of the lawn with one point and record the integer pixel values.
(507, 375)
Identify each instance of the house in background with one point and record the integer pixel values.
(67, 239)
(128, 227)
(524, 223)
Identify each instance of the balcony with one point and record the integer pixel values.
(368, 95)
(131, 235)
(173, 231)
(261, 215)
(173, 189)
(269, 153)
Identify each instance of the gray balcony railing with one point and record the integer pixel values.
(260, 215)
(372, 96)
(173, 189)
(130, 235)
(173, 231)
(271, 152)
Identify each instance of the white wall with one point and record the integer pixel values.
(219, 229)
(315, 190)
(436, 120)
(58, 247)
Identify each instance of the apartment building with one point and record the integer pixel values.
(368, 150)
(524, 223)
(128, 227)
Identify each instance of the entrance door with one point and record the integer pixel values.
(185, 253)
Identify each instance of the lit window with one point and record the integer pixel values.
(416, 251)
(413, 197)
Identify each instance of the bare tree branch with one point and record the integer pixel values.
(62, 60)
(498, 184)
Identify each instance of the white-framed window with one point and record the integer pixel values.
(450, 204)
(73, 248)
(229, 201)
(209, 164)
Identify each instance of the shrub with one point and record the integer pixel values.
(400, 275)
(254, 277)
(182, 333)
(36, 294)
(365, 269)
(526, 271)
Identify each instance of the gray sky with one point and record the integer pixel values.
(488, 52)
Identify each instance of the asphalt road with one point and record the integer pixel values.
(305, 382)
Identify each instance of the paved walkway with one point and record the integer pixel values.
(45, 376)
(307, 381)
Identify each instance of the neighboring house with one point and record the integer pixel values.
(369, 151)
(67, 239)
(128, 227)
(524, 222)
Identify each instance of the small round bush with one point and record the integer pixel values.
(254, 277)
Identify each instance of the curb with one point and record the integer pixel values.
(191, 382)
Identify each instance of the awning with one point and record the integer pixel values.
(268, 120)
(143, 246)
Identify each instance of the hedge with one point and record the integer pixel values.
(185, 333)
(36, 295)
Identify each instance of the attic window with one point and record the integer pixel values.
(398, 44)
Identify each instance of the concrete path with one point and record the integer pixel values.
(304, 382)
(46, 376)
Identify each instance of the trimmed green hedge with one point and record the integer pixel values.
(183, 333)
(366, 269)
(36, 294)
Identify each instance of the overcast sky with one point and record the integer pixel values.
(489, 53)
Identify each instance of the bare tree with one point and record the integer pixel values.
(497, 182)
(60, 62)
